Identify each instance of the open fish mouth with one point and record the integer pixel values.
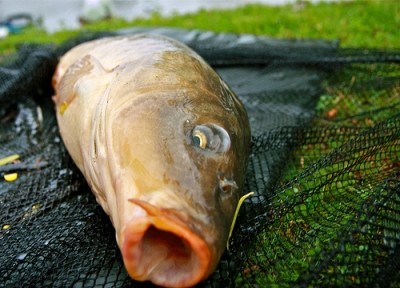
(162, 248)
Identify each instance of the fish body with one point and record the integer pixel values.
(163, 143)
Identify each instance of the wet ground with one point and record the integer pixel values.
(58, 14)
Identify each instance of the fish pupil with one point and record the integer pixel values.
(200, 139)
(196, 140)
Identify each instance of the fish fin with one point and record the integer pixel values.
(154, 211)
(79, 79)
(241, 200)
(150, 209)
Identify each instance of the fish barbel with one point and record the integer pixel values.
(163, 144)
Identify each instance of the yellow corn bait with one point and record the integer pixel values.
(6, 227)
(11, 177)
(8, 159)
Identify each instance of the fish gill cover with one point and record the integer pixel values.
(324, 166)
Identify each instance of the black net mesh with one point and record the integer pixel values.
(325, 169)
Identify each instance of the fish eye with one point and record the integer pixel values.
(211, 137)
(199, 139)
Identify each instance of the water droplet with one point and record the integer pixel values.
(22, 256)
(64, 205)
(62, 172)
(53, 184)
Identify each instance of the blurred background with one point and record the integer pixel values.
(54, 15)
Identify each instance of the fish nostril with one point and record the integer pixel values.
(225, 188)
(226, 185)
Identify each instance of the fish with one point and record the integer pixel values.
(163, 143)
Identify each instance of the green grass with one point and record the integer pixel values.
(360, 23)
(321, 203)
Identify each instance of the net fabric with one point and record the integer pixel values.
(325, 169)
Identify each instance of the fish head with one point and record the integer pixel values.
(180, 141)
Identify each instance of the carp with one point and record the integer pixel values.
(163, 143)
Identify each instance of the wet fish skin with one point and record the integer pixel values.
(127, 108)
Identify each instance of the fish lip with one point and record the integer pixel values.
(184, 258)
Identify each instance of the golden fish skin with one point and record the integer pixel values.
(163, 143)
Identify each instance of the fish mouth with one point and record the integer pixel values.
(160, 247)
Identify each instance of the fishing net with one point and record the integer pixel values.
(325, 169)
